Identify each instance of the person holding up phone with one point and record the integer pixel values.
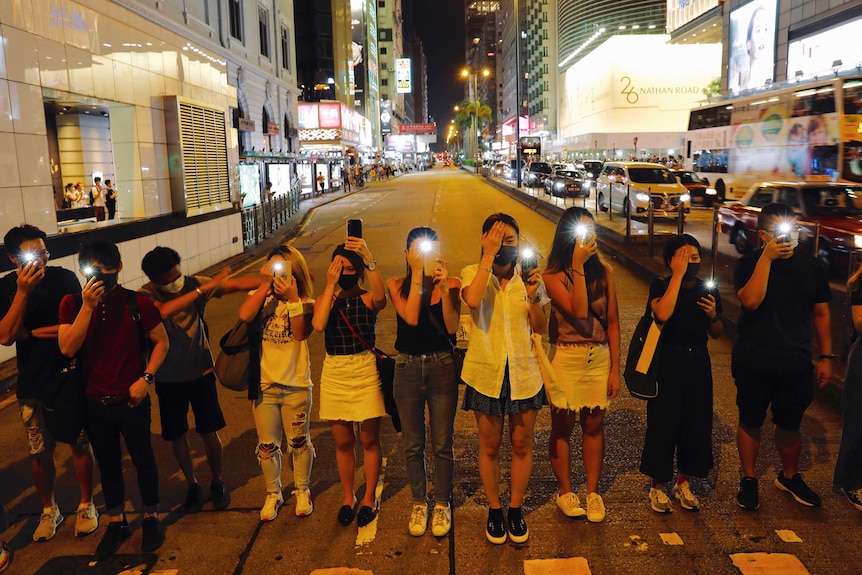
(585, 335)
(785, 299)
(428, 306)
(679, 419)
(280, 388)
(350, 388)
(500, 369)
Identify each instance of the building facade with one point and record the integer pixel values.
(390, 45)
(541, 69)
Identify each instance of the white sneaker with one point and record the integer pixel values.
(595, 508)
(418, 520)
(570, 505)
(441, 521)
(304, 505)
(87, 521)
(687, 499)
(270, 508)
(659, 500)
(48, 524)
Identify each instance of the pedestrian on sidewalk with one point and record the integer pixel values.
(186, 377)
(350, 387)
(428, 308)
(321, 183)
(585, 337)
(679, 419)
(784, 295)
(30, 299)
(500, 370)
(110, 326)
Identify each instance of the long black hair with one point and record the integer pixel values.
(421, 233)
(563, 246)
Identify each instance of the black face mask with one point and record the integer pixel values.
(109, 280)
(691, 271)
(347, 283)
(506, 256)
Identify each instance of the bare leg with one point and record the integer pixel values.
(562, 423)
(592, 423)
(490, 436)
(748, 446)
(85, 470)
(521, 435)
(369, 436)
(345, 458)
(213, 446)
(789, 446)
(44, 475)
(183, 454)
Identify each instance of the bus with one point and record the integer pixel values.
(804, 131)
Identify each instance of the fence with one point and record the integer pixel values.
(262, 220)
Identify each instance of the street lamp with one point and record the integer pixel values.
(466, 73)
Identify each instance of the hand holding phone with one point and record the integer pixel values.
(354, 228)
(529, 262)
(430, 251)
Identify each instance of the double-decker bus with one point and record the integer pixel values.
(803, 131)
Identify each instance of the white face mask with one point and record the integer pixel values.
(175, 286)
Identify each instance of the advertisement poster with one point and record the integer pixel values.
(307, 116)
(403, 76)
(249, 184)
(751, 63)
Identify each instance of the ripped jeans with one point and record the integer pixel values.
(282, 410)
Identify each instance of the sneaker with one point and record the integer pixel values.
(659, 501)
(441, 521)
(595, 508)
(687, 499)
(570, 505)
(48, 524)
(220, 495)
(152, 534)
(418, 520)
(855, 497)
(496, 530)
(194, 499)
(270, 508)
(87, 521)
(304, 505)
(517, 527)
(115, 533)
(747, 496)
(5, 557)
(798, 489)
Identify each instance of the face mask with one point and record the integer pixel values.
(347, 283)
(506, 256)
(110, 281)
(691, 271)
(175, 286)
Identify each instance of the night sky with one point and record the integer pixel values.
(440, 25)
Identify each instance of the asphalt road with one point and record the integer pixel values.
(632, 540)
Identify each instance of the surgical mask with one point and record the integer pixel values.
(109, 280)
(691, 271)
(347, 283)
(506, 256)
(175, 286)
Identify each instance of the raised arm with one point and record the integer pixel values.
(323, 304)
(70, 337)
(12, 324)
(491, 242)
(752, 294)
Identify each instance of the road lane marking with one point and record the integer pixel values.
(638, 543)
(568, 566)
(768, 564)
(341, 571)
(367, 534)
(670, 538)
(788, 536)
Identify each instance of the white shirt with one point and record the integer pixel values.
(283, 360)
(100, 199)
(500, 332)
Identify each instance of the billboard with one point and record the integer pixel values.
(307, 116)
(359, 48)
(385, 117)
(816, 53)
(751, 63)
(403, 76)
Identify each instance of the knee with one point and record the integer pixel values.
(593, 428)
(490, 449)
(300, 444)
(267, 451)
(522, 447)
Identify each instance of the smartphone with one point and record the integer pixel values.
(710, 286)
(430, 249)
(354, 228)
(782, 232)
(29, 258)
(282, 270)
(529, 262)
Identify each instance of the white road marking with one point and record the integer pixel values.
(768, 564)
(341, 571)
(670, 538)
(367, 534)
(636, 542)
(8, 401)
(788, 536)
(568, 566)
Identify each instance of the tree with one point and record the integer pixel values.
(467, 111)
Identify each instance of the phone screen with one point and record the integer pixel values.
(354, 228)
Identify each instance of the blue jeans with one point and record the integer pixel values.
(431, 379)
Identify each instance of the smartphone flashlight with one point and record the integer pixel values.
(29, 257)
(426, 246)
(581, 231)
(89, 271)
(710, 284)
(277, 266)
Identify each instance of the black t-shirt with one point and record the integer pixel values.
(39, 360)
(689, 325)
(777, 335)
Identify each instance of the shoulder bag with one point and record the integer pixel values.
(641, 373)
(239, 349)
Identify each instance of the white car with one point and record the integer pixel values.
(631, 186)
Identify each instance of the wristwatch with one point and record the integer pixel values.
(372, 265)
(149, 377)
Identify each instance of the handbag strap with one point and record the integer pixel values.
(373, 350)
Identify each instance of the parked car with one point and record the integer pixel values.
(535, 174)
(699, 189)
(568, 184)
(510, 172)
(837, 207)
(499, 169)
(631, 186)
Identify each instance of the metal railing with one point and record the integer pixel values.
(262, 220)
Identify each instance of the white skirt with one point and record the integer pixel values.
(350, 388)
(582, 377)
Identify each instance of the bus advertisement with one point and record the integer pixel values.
(810, 131)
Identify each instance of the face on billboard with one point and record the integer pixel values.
(752, 49)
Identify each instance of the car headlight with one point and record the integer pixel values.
(711, 192)
(684, 198)
(589, 174)
(642, 197)
(560, 185)
(857, 241)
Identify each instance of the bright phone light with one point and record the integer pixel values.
(29, 257)
(710, 284)
(581, 230)
(278, 266)
(528, 253)
(88, 271)
(784, 228)
(426, 246)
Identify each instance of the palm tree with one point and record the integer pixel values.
(467, 112)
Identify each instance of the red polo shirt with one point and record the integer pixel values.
(111, 351)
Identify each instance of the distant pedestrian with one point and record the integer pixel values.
(679, 419)
(110, 199)
(321, 182)
(267, 192)
(97, 198)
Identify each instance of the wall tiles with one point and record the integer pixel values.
(11, 208)
(6, 124)
(80, 71)
(150, 188)
(33, 160)
(17, 13)
(8, 161)
(28, 113)
(192, 239)
(39, 208)
(103, 78)
(53, 70)
(165, 204)
(22, 62)
(123, 85)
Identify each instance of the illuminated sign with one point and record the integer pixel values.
(417, 128)
(273, 129)
(403, 76)
(752, 45)
(330, 115)
(307, 116)
(815, 54)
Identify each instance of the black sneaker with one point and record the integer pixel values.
(194, 499)
(854, 496)
(152, 534)
(798, 489)
(115, 533)
(496, 530)
(518, 531)
(747, 496)
(220, 495)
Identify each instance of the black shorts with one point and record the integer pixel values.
(174, 400)
(789, 393)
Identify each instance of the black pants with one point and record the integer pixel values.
(680, 418)
(106, 424)
(112, 208)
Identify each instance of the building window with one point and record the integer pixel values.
(383, 50)
(285, 48)
(384, 81)
(381, 3)
(384, 35)
(235, 14)
(263, 30)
